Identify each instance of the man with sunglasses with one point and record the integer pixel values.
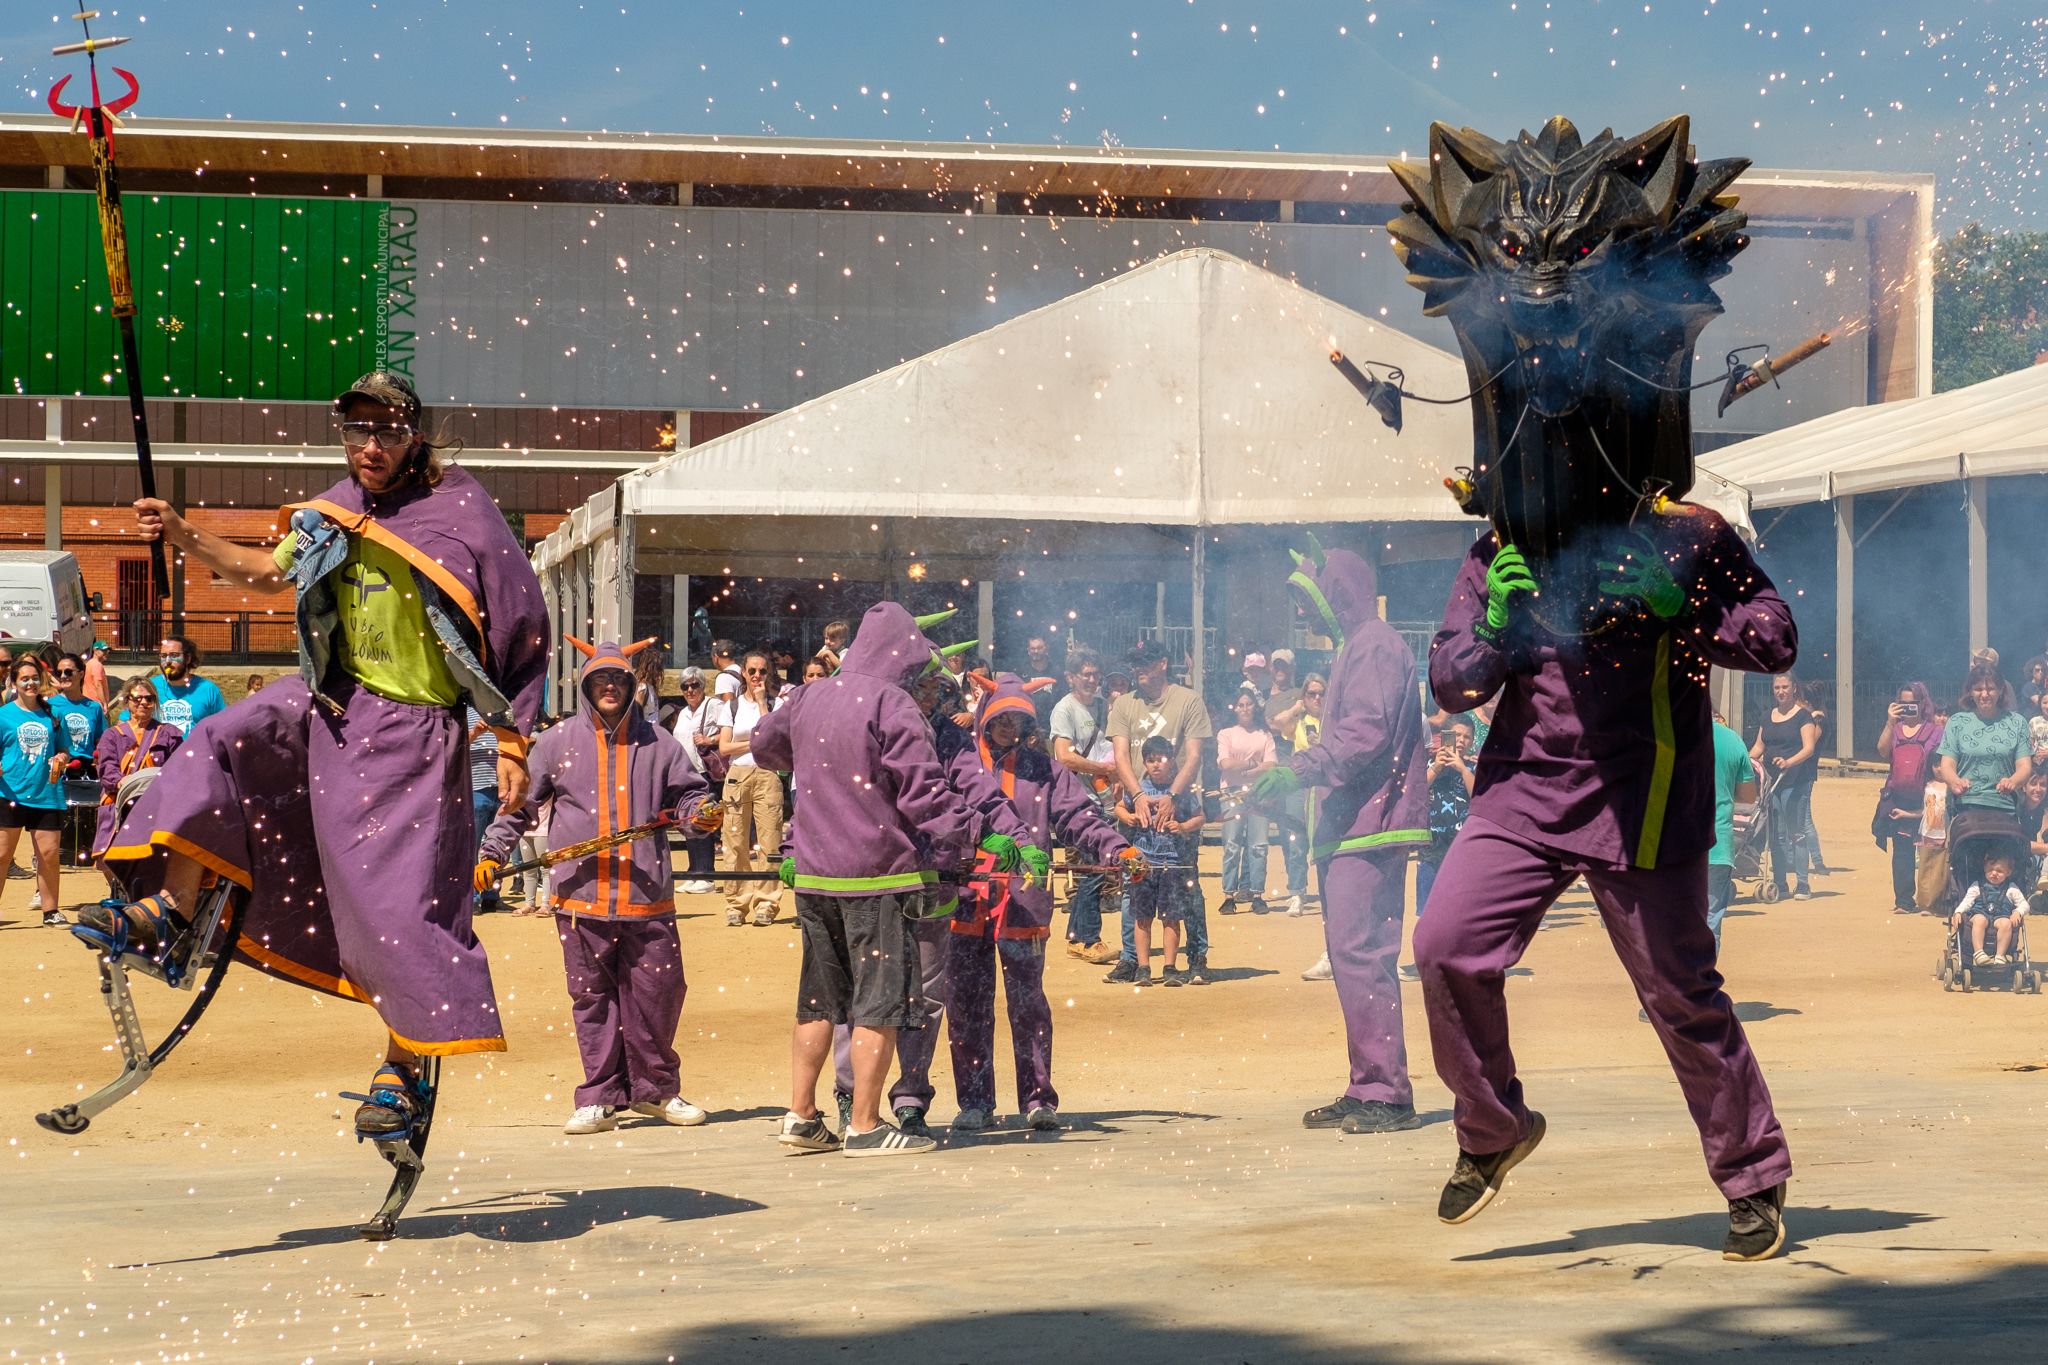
(340, 799)
(183, 698)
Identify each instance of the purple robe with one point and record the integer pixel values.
(877, 812)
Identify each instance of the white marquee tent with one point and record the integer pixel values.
(1195, 391)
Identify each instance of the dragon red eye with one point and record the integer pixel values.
(1511, 246)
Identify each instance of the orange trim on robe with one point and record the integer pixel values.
(177, 843)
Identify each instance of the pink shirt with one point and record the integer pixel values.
(1239, 750)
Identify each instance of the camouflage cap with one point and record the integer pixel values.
(383, 386)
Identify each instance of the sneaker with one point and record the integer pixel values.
(1228, 906)
(972, 1121)
(698, 888)
(910, 1118)
(1098, 953)
(1076, 948)
(1378, 1116)
(764, 916)
(1043, 1118)
(1905, 909)
(1982, 959)
(1197, 973)
(1476, 1179)
(35, 901)
(1802, 892)
(1170, 977)
(884, 1140)
(1259, 906)
(591, 1118)
(1321, 971)
(844, 1099)
(1998, 959)
(1333, 1114)
(1756, 1225)
(1123, 974)
(807, 1134)
(1293, 905)
(392, 1106)
(54, 919)
(735, 918)
(677, 1111)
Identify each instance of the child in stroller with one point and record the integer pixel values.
(1991, 845)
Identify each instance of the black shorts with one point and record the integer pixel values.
(860, 962)
(14, 815)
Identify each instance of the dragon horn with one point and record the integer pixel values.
(588, 651)
(1315, 550)
(1297, 556)
(960, 648)
(630, 650)
(936, 618)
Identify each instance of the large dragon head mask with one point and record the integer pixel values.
(1577, 276)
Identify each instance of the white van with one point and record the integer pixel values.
(43, 597)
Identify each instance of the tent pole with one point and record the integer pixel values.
(985, 613)
(1196, 662)
(1979, 514)
(1845, 626)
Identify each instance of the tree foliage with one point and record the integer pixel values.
(1990, 304)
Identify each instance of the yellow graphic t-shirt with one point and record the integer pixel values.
(385, 642)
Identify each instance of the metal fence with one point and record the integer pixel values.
(228, 637)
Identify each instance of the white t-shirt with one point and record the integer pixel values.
(692, 721)
(742, 714)
(724, 683)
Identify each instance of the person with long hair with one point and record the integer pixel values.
(1787, 745)
(134, 744)
(753, 794)
(1985, 754)
(1907, 744)
(32, 761)
(1244, 750)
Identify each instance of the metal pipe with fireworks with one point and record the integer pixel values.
(114, 244)
(1767, 370)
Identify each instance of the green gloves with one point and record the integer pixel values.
(1506, 576)
(1276, 784)
(1643, 575)
(1005, 850)
(1037, 864)
(786, 873)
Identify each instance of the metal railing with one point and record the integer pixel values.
(228, 637)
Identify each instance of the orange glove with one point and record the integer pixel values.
(1136, 869)
(486, 875)
(709, 819)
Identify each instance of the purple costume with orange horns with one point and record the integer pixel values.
(615, 910)
(1599, 764)
(346, 815)
(1368, 777)
(1050, 801)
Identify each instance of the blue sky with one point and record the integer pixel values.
(1956, 90)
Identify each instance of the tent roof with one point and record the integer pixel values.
(1192, 391)
(1999, 426)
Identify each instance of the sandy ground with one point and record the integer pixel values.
(1184, 1216)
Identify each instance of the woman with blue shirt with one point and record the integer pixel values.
(32, 760)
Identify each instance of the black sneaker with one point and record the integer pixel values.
(1228, 906)
(1170, 977)
(1198, 971)
(1476, 1179)
(910, 1118)
(883, 1140)
(1756, 1225)
(1259, 906)
(1142, 976)
(1378, 1116)
(54, 919)
(1123, 973)
(1332, 1115)
(807, 1135)
(844, 1099)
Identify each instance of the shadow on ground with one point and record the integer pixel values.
(530, 1216)
(1804, 1227)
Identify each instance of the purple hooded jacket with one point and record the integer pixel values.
(1050, 801)
(1370, 767)
(876, 814)
(603, 782)
(1603, 745)
(454, 536)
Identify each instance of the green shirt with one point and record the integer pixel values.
(1986, 753)
(1732, 768)
(386, 642)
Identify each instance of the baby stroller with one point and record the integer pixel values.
(1753, 842)
(1973, 835)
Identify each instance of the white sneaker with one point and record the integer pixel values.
(591, 1118)
(699, 888)
(971, 1120)
(1321, 971)
(35, 901)
(735, 918)
(677, 1111)
(1294, 906)
(1044, 1118)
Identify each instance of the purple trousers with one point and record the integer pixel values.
(1363, 896)
(971, 1019)
(352, 834)
(915, 1047)
(626, 989)
(1489, 899)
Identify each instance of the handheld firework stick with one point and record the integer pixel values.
(1766, 370)
(586, 847)
(1076, 869)
(114, 243)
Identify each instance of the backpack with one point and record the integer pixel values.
(1910, 765)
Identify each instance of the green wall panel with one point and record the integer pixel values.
(238, 297)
